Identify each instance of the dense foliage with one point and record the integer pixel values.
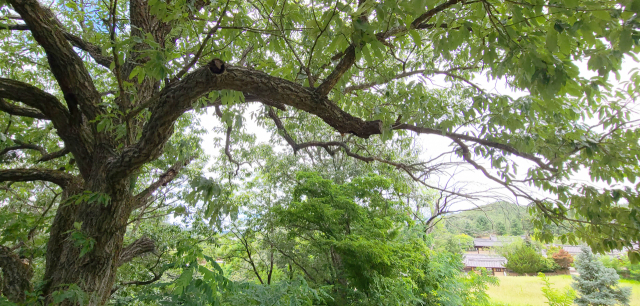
(524, 258)
(458, 244)
(343, 129)
(499, 218)
(597, 285)
(562, 258)
(622, 265)
(349, 236)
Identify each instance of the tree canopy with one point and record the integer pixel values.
(99, 103)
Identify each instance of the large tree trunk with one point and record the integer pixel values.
(102, 225)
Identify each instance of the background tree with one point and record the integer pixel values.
(596, 284)
(486, 219)
(98, 102)
(523, 258)
(501, 229)
(622, 265)
(483, 224)
(516, 228)
(458, 244)
(562, 258)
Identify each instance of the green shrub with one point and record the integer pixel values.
(556, 297)
(525, 259)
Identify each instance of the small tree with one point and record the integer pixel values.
(556, 297)
(483, 224)
(563, 259)
(470, 230)
(597, 284)
(525, 259)
(516, 227)
(501, 229)
(459, 243)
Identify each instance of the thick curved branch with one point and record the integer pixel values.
(94, 51)
(45, 156)
(20, 111)
(47, 104)
(347, 60)
(59, 178)
(168, 176)
(12, 148)
(16, 276)
(67, 67)
(407, 168)
(23, 146)
(137, 248)
(73, 136)
(54, 155)
(178, 97)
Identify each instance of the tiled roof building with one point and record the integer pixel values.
(493, 263)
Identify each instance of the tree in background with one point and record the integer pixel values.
(470, 229)
(622, 265)
(475, 220)
(501, 229)
(516, 227)
(597, 285)
(562, 258)
(458, 244)
(483, 224)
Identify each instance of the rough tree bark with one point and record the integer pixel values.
(16, 275)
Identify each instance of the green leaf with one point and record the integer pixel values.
(417, 40)
(602, 14)
(626, 42)
(102, 125)
(552, 40)
(337, 41)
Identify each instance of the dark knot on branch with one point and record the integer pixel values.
(216, 66)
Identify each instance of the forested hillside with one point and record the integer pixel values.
(499, 218)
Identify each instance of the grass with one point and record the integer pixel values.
(527, 290)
